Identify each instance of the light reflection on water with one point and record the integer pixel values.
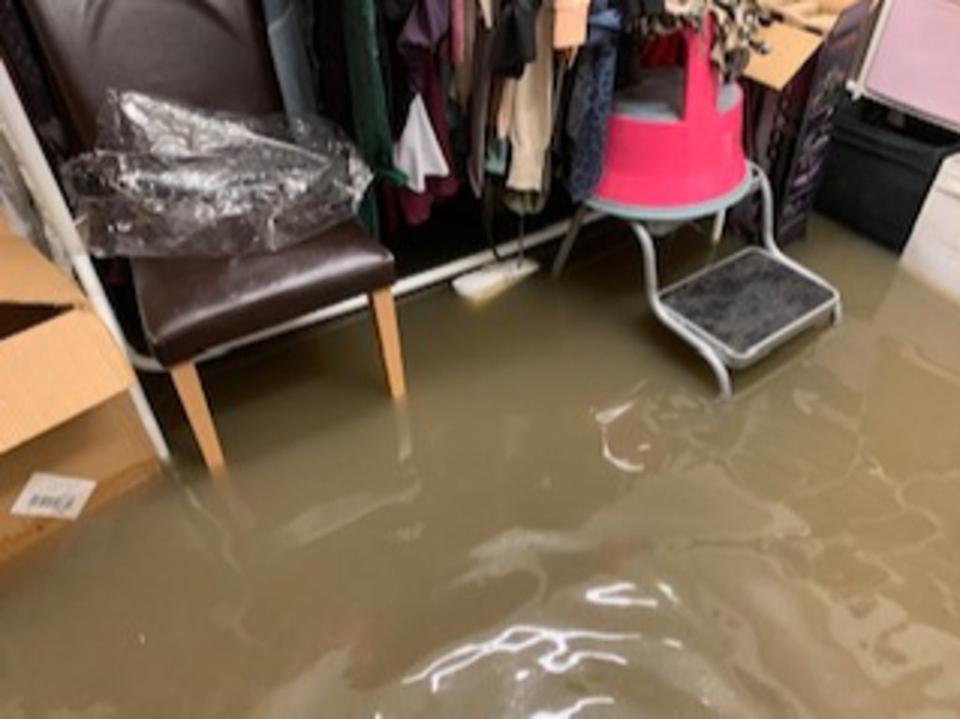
(558, 657)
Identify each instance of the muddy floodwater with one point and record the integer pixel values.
(562, 522)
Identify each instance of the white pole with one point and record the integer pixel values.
(46, 193)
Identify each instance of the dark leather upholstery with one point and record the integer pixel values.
(207, 53)
(213, 54)
(198, 303)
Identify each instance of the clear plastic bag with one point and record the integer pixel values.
(167, 180)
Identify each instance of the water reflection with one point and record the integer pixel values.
(612, 595)
(573, 710)
(558, 657)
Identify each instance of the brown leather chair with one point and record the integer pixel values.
(212, 54)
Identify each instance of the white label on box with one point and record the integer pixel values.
(52, 495)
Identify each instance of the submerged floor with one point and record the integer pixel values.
(561, 523)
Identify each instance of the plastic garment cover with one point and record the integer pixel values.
(168, 180)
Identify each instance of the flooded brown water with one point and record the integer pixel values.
(561, 523)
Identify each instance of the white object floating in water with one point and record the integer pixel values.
(53, 496)
(494, 278)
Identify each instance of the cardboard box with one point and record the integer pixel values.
(817, 16)
(64, 408)
(793, 38)
(57, 359)
(790, 48)
(792, 96)
(107, 444)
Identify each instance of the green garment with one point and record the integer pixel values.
(368, 100)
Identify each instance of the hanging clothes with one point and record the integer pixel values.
(417, 153)
(367, 92)
(488, 11)
(592, 98)
(333, 77)
(515, 40)
(457, 31)
(502, 51)
(532, 202)
(394, 14)
(419, 44)
(634, 8)
(480, 107)
(288, 22)
(463, 63)
(508, 102)
(570, 23)
(397, 8)
(427, 23)
(368, 97)
(532, 112)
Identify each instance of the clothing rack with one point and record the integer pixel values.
(420, 279)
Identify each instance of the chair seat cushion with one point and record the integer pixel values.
(188, 305)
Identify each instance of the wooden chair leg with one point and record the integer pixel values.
(187, 382)
(385, 317)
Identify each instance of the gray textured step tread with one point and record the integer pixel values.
(747, 299)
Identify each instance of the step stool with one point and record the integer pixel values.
(674, 155)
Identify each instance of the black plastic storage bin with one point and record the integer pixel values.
(877, 176)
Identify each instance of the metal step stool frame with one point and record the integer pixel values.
(719, 357)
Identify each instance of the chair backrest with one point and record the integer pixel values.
(207, 53)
